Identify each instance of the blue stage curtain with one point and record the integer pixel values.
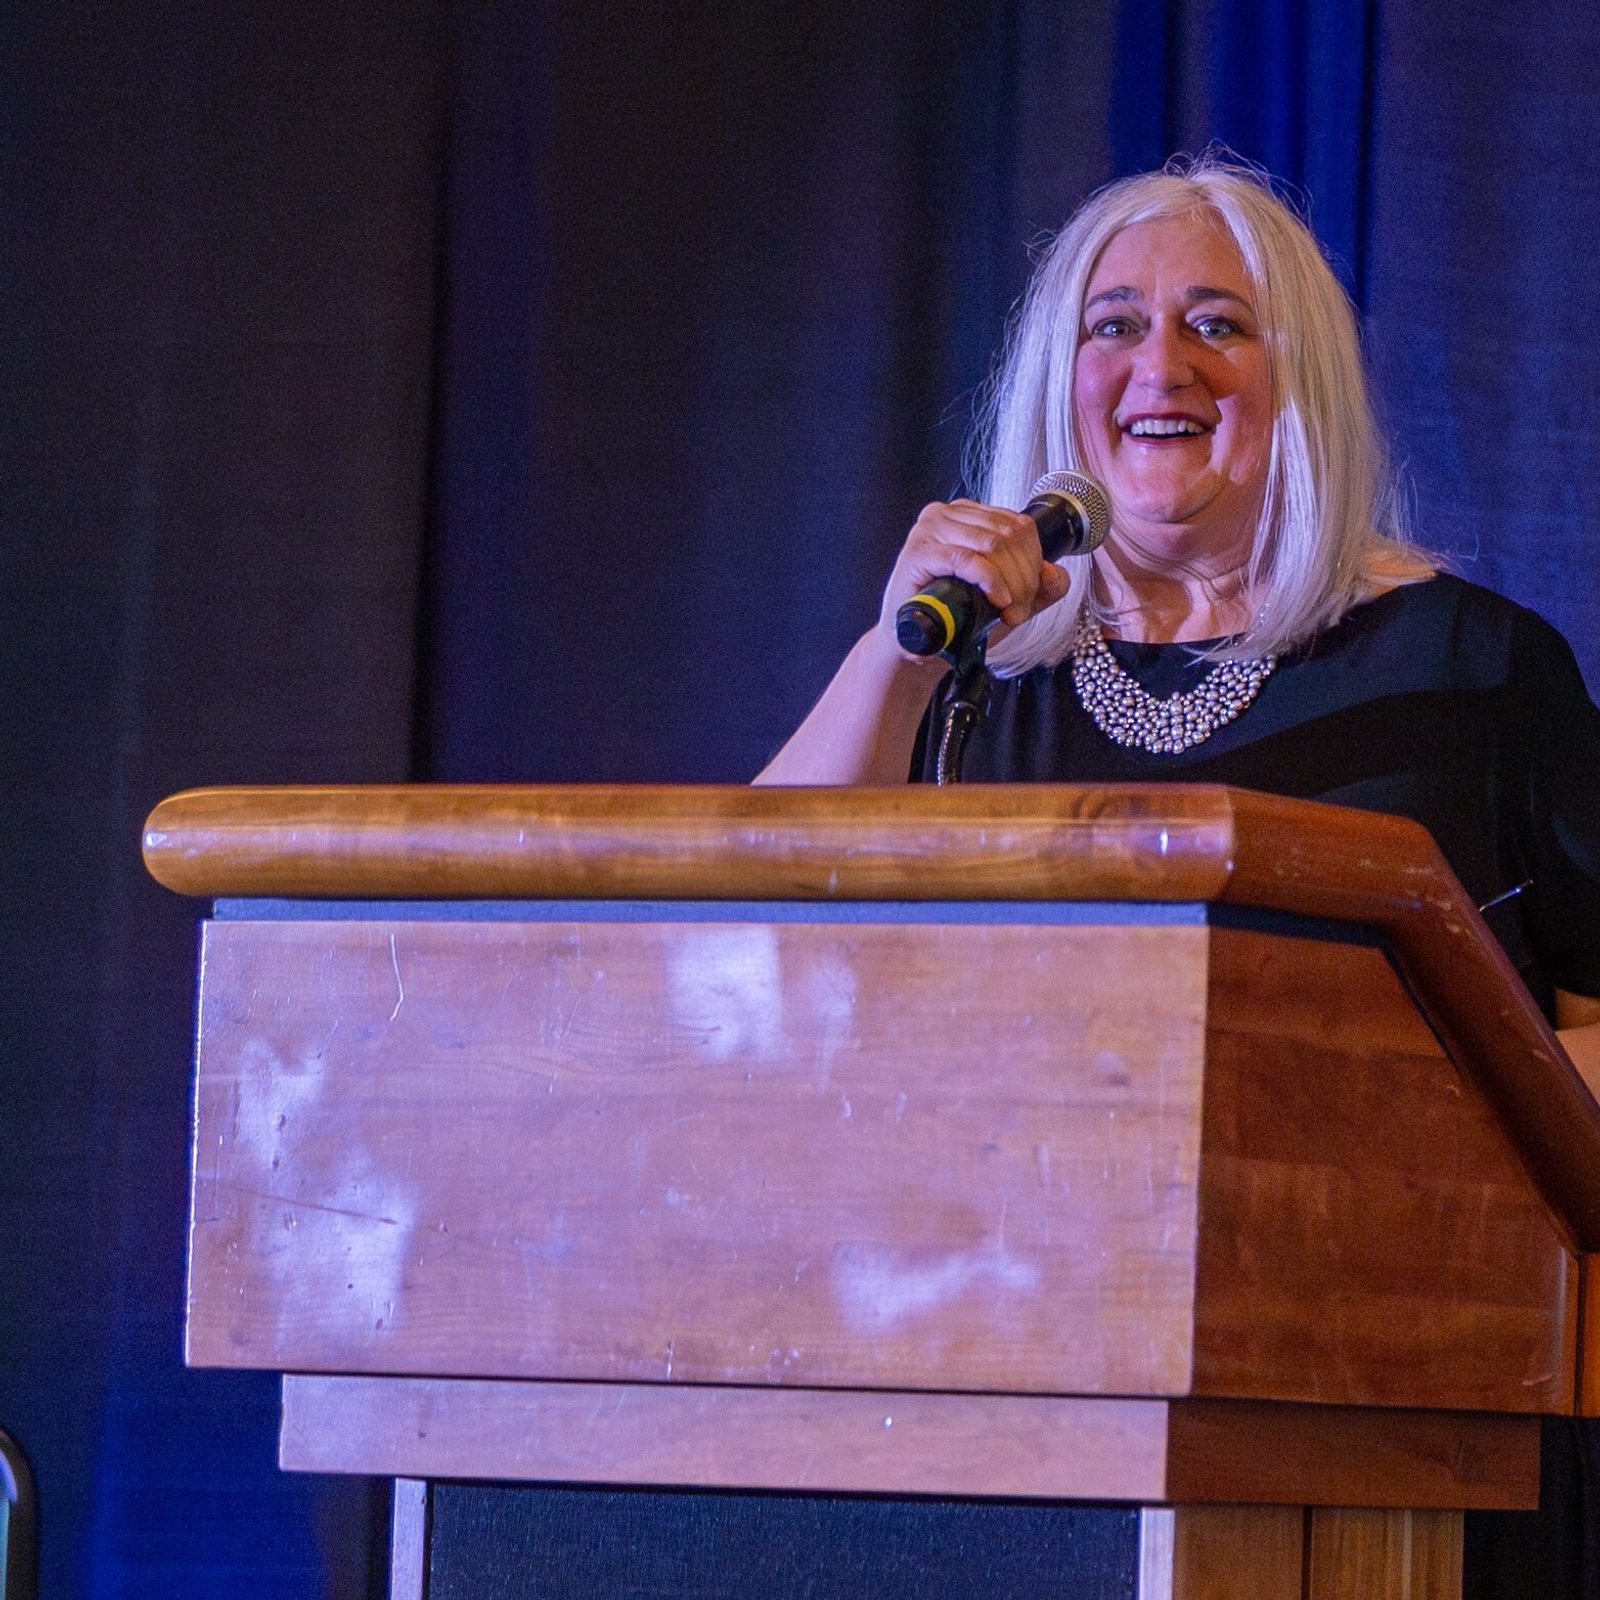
(541, 391)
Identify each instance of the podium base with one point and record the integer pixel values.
(456, 1541)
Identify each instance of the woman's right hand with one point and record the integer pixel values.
(864, 727)
(995, 550)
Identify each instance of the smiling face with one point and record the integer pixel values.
(1171, 395)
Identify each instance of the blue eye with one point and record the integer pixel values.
(1111, 328)
(1216, 327)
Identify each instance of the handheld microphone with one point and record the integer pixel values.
(1074, 517)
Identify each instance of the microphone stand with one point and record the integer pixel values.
(969, 700)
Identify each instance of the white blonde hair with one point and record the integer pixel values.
(1329, 533)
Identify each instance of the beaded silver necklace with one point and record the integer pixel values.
(1126, 713)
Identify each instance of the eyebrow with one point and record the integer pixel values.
(1125, 293)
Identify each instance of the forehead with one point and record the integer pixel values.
(1172, 254)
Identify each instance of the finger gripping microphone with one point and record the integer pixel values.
(1073, 517)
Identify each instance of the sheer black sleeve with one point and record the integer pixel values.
(1557, 727)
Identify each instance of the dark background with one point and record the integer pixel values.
(402, 390)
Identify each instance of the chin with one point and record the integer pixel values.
(1176, 513)
(1173, 499)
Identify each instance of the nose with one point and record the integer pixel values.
(1162, 361)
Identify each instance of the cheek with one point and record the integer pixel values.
(1096, 389)
(1249, 412)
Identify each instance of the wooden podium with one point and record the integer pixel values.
(1176, 1147)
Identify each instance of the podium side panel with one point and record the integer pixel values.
(1370, 1235)
(913, 1155)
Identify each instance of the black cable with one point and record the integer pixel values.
(969, 699)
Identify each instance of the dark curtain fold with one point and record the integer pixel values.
(778, 248)
(216, 270)
(540, 392)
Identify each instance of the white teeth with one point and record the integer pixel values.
(1163, 427)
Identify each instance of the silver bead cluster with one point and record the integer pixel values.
(1123, 711)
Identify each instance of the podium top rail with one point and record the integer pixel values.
(1162, 842)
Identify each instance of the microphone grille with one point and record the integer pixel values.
(1089, 495)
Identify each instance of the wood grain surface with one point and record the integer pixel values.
(895, 1155)
(698, 1436)
(1384, 1555)
(971, 842)
(408, 1540)
(1222, 1553)
(914, 1156)
(910, 842)
(1032, 1446)
(1589, 1337)
(1371, 1236)
(1271, 1453)
(1267, 1553)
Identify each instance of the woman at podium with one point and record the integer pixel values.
(1257, 616)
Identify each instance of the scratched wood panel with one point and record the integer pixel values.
(696, 1436)
(1370, 1233)
(956, 1157)
(1041, 1446)
(966, 842)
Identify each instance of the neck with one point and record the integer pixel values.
(1158, 601)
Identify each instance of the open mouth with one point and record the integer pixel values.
(1165, 428)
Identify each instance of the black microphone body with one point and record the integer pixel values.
(1073, 517)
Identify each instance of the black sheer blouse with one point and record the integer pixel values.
(1439, 701)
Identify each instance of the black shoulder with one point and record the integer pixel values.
(1456, 604)
(1486, 636)
(1535, 648)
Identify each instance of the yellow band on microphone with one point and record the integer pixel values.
(944, 614)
